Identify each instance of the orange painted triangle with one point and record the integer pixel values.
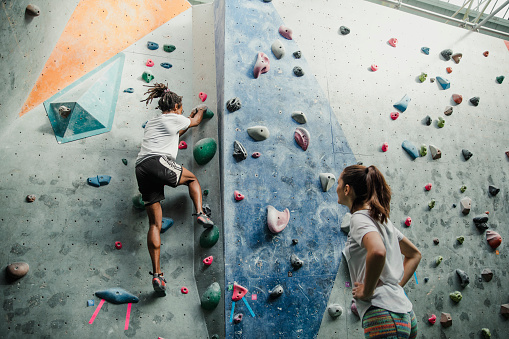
(96, 31)
(506, 44)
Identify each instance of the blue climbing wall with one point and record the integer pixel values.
(284, 176)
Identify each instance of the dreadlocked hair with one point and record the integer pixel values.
(167, 100)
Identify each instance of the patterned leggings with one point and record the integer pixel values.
(380, 323)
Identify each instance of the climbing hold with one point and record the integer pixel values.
(480, 222)
(169, 48)
(30, 198)
(504, 310)
(445, 320)
(448, 110)
(486, 333)
(423, 76)
(465, 204)
(425, 50)
(438, 260)
(296, 262)
(393, 42)
(345, 223)
(444, 83)
(353, 308)
(403, 103)
(435, 152)
(457, 57)
(17, 270)
(385, 146)
(285, 32)
(410, 148)
(408, 221)
(441, 122)
(276, 220)
(262, 64)
(208, 260)
(344, 30)
(428, 187)
(138, 202)
(456, 296)
(33, 10)
(90, 302)
(238, 318)
(298, 71)
(118, 245)
(327, 180)
(297, 54)
(464, 279)
(432, 80)
(427, 120)
(302, 137)
(466, 154)
(449, 70)
(147, 76)
(432, 319)
(100, 180)
(475, 101)
(486, 53)
(184, 290)
(166, 223)
(152, 45)
(426, 279)
(335, 310)
(394, 115)
(117, 295)
(239, 152)
(144, 124)
(202, 96)
(276, 292)
(431, 204)
(487, 274)
(124, 161)
(507, 153)
(64, 111)
(300, 117)
(204, 150)
(460, 239)
(208, 114)
(494, 239)
(446, 53)
(211, 297)
(436, 241)
(166, 65)
(129, 90)
(259, 133)
(238, 196)
(233, 105)
(374, 67)
(295, 241)
(457, 98)
(278, 49)
(209, 237)
(493, 190)
(500, 79)
(238, 292)
(182, 145)
(463, 189)
(423, 151)
(256, 155)
(149, 63)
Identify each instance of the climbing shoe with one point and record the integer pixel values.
(158, 282)
(204, 220)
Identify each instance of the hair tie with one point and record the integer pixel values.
(166, 90)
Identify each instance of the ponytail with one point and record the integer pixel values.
(168, 98)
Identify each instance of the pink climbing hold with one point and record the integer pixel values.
(428, 187)
(238, 318)
(184, 290)
(374, 68)
(302, 137)
(393, 42)
(432, 319)
(262, 65)
(286, 32)
(118, 245)
(276, 220)
(385, 147)
(394, 115)
(150, 63)
(408, 221)
(353, 308)
(238, 196)
(208, 260)
(238, 292)
(202, 96)
(256, 155)
(182, 145)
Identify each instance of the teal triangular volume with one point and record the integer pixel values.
(92, 100)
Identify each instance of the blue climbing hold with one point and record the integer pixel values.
(425, 50)
(167, 223)
(117, 295)
(444, 83)
(402, 104)
(166, 65)
(152, 45)
(129, 90)
(90, 302)
(100, 180)
(144, 124)
(410, 148)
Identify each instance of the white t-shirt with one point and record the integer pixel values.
(161, 136)
(388, 295)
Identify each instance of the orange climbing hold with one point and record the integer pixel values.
(238, 292)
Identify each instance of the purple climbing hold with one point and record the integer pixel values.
(286, 32)
(262, 65)
(302, 137)
(353, 308)
(256, 155)
(276, 220)
(238, 318)
(117, 295)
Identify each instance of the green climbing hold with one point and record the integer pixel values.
(456, 296)
(500, 79)
(215, 336)
(211, 297)
(138, 202)
(463, 189)
(205, 192)
(441, 122)
(147, 76)
(422, 77)
(169, 48)
(486, 333)
(230, 287)
(424, 150)
(204, 150)
(209, 237)
(431, 204)
(208, 114)
(438, 260)
(124, 161)
(460, 239)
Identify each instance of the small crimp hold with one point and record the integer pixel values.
(100, 180)
(296, 262)
(276, 292)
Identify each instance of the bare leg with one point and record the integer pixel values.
(155, 218)
(192, 183)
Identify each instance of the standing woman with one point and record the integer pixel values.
(373, 252)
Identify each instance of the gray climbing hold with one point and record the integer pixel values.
(493, 190)
(480, 222)
(233, 105)
(117, 295)
(466, 205)
(297, 54)
(33, 10)
(487, 274)
(259, 133)
(475, 101)
(276, 292)
(299, 116)
(17, 270)
(64, 111)
(239, 152)
(327, 180)
(335, 310)
(345, 223)
(448, 110)
(446, 53)
(298, 71)
(464, 279)
(444, 83)
(278, 49)
(344, 30)
(435, 152)
(445, 319)
(296, 262)
(410, 148)
(402, 105)
(457, 57)
(466, 154)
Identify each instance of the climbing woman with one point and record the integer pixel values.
(373, 251)
(156, 167)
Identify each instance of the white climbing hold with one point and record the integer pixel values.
(327, 180)
(276, 220)
(345, 223)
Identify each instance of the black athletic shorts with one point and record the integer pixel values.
(155, 172)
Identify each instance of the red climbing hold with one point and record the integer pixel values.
(30, 198)
(486, 53)
(393, 42)
(238, 292)
(507, 153)
(428, 187)
(394, 115)
(385, 147)
(202, 96)
(408, 221)
(262, 65)
(494, 239)
(449, 69)
(182, 145)
(150, 63)
(238, 196)
(118, 245)
(256, 155)
(184, 290)
(432, 320)
(457, 98)
(208, 260)
(374, 68)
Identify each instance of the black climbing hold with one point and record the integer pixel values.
(239, 152)
(446, 53)
(464, 279)
(276, 292)
(493, 190)
(487, 274)
(298, 71)
(466, 154)
(296, 262)
(206, 208)
(297, 54)
(344, 30)
(480, 222)
(359, 163)
(295, 241)
(233, 105)
(436, 241)
(426, 279)
(475, 101)
(124, 161)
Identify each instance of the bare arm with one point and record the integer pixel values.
(196, 117)
(411, 261)
(375, 261)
